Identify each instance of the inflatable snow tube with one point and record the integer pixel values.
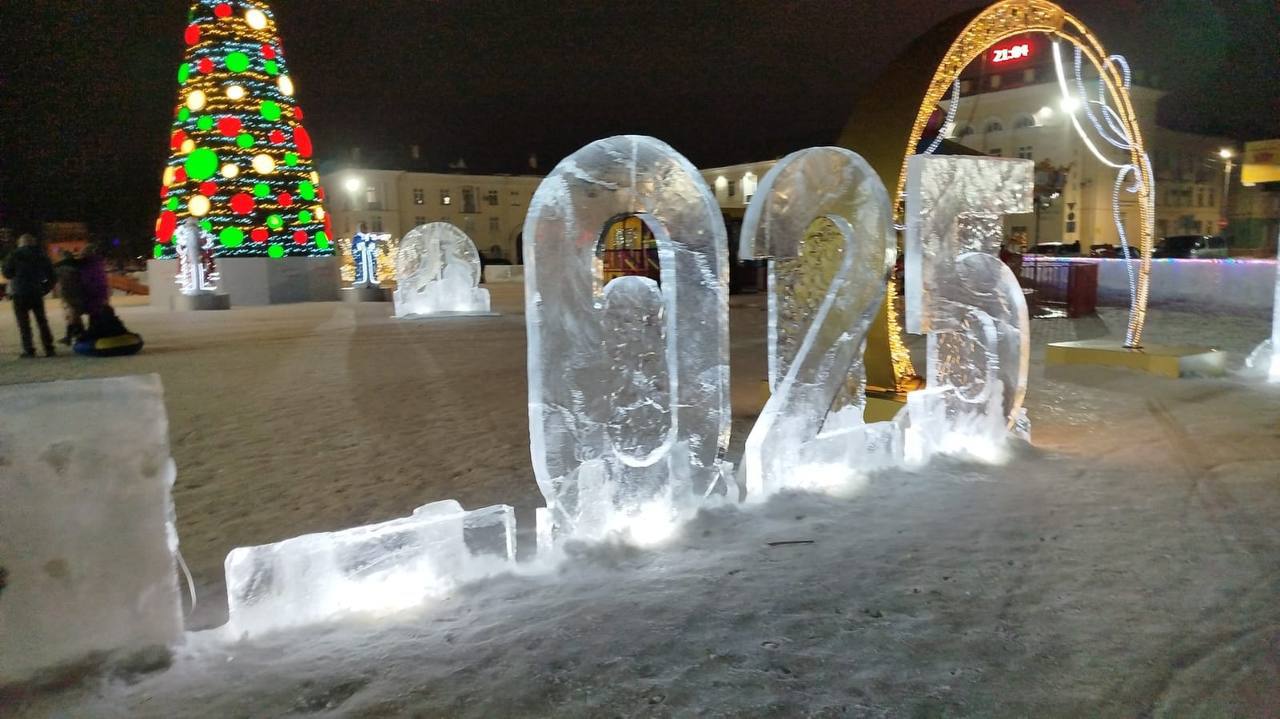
(119, 345)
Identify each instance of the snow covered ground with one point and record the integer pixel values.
(1127, 564)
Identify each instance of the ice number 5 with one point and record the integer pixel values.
(822, 217)
(966, 300)
(629, 379)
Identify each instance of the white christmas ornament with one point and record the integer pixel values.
(438, 271)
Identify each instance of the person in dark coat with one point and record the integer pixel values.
(31, 277)
(71, 292)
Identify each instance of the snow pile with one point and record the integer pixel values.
(87, 535)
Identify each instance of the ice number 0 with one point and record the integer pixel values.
(629, 379)
(822, 217)
(966, 300)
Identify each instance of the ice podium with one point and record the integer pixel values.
(628, 398)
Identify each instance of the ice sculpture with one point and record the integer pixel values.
(375, 569)
(628, 381)
(438, 271)
(1265, 359)
(967, 301)
(822, 216)
(86, 522)
(197, 273)
(364, 252)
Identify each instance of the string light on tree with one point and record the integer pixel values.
(240, 160)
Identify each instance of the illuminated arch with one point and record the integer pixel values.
(1007, 19)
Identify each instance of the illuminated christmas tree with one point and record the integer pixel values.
(240, 160)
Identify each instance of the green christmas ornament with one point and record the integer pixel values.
(201, 164)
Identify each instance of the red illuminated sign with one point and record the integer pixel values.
(1011, 52)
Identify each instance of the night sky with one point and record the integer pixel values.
(87, 87)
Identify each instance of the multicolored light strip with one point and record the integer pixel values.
(240, 158)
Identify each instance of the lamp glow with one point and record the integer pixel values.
(1226, 153)
(198, 206)
(196, 100)
(235, 92)
(256, 19)
(353, 184)
(286, 85)
(264, 164)
(230, 171)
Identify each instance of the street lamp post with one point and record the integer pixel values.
(1226, 154)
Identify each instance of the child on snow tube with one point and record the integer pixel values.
(107, 336)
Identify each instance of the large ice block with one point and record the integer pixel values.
(86, 522)
(374, 569)
(438, 271)
(1265, 360)
(628, 380)
(967, 301)
(822, 217)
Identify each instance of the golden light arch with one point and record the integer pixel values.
(1002, 21)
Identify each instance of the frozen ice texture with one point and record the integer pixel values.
(967, 301)
(364, 253)
(1266, 358)
(374, 569)
(438, 270)
(823, 217)
(86, 522)
(197, 271)
(629, 381)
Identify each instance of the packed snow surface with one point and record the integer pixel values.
(1127, 564)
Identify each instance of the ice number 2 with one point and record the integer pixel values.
(966, 300)
(822, 217)
(629, 378)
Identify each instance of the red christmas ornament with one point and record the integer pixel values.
(320, 192)
(242, 204)
(259, 234)
(176, 140)
(180, 175)
(285, 199)
(164, 193)
(229, 126)
(276, 137)
(208, 189)
(205, 65)
(268, 52)
(192, 35)
(297, 113)
(302, 140)
(299, 238)
(165, 227)
(222, 10)
(328, 226)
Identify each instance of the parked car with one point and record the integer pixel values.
(1055, 249)
(1186, 247)
(1114, 251)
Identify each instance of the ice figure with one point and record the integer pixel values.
(375, 569)
(364, 253)
(438, 271)
(628, 381)
(968, 301)
(822, 216)
(197, 273)
(1265, 359)
(87, 532)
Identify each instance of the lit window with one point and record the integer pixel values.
(748, 186)
(371, 195)
(445, 198)
(733, 186)
(419, 196)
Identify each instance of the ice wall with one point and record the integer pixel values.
(438, 271)
(374, 569)
(967, 301)
(822, 217)
(628, 382)
(86, 522)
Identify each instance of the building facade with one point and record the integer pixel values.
(489, 208)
